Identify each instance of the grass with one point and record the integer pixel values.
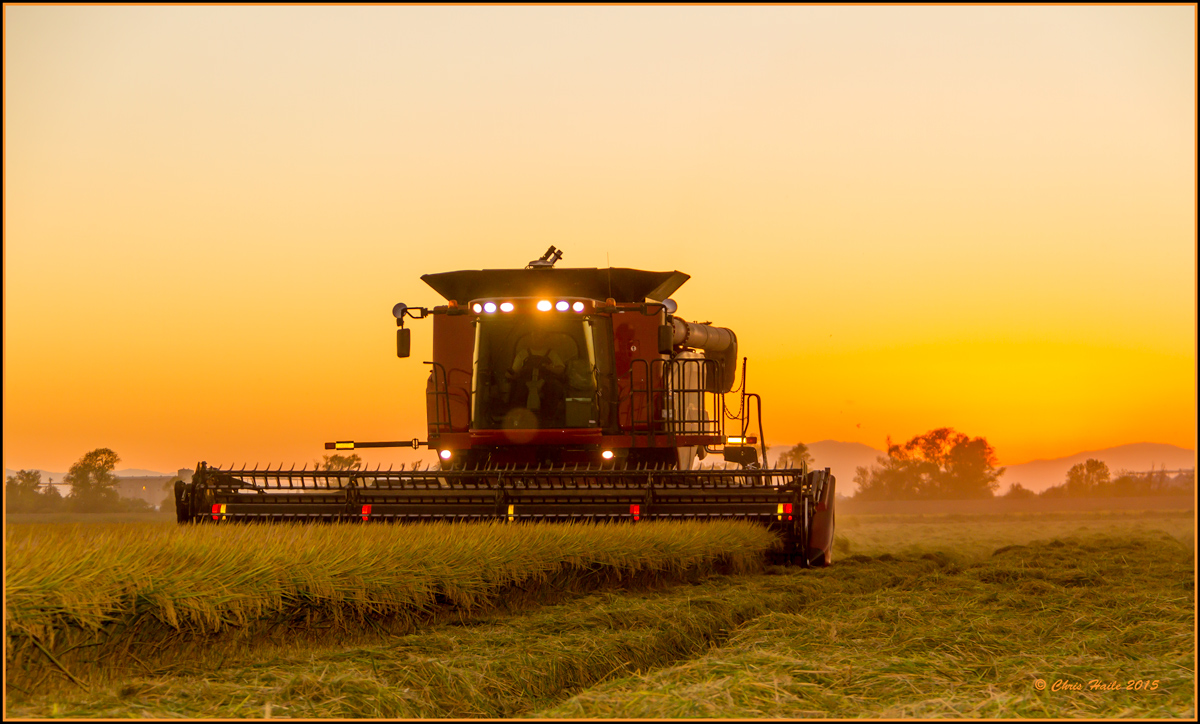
(88, 600)
(934, 636)
(979, 535)
(936, 622)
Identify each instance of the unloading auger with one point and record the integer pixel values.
(557, 394)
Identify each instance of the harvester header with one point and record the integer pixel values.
(559, 394)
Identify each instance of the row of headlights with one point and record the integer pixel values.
(447, 454)
(543, 305)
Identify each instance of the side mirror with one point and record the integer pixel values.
(714, 374)
(666, 338)
(403, 341)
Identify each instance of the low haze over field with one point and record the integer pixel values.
(912, 217)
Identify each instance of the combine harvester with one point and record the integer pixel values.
(557, 394)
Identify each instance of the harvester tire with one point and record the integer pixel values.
(818, 558)
(181, 513)
(805, 530)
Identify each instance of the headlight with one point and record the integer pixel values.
(489, 307)
(562, 306)
(578, 306)
(445, 454)
(477, 307)
(544, 305)
(506, 306)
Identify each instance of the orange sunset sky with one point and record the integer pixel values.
(912, 217)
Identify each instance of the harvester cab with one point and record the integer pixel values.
(544, 366)
(559, 394)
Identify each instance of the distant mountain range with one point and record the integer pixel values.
(842, 458)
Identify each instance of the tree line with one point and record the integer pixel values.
(944, 464)
(93, 489)
(1092, 479)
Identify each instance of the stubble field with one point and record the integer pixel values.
(1050, 615)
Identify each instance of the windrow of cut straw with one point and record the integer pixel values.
(65, 584)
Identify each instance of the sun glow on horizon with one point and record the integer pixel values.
(912, 217)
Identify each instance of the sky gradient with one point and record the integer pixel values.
(912, 217)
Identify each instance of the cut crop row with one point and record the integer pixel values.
(85, 593)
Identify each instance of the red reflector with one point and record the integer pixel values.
(366, 511)
(216, 509)
(635, 511)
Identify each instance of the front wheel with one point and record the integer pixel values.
(820, 538)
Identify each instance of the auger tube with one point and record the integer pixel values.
(716, 342)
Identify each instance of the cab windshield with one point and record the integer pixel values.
(534, 372)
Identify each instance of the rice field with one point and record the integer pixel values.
(920, 616)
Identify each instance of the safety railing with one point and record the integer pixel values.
(675, 397)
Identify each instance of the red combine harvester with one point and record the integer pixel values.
(558, 394)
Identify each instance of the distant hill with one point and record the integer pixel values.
(1038, 475)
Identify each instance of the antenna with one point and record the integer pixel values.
(607, 259)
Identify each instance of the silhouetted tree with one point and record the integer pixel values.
(50, 499)
(941, 464)
(21, 491)
(1019, 492)
(796, 457)
(93, 485)
(1087, 478)
(891, 479)
(1183, 483)
(1055, 491)
(1157, 480)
